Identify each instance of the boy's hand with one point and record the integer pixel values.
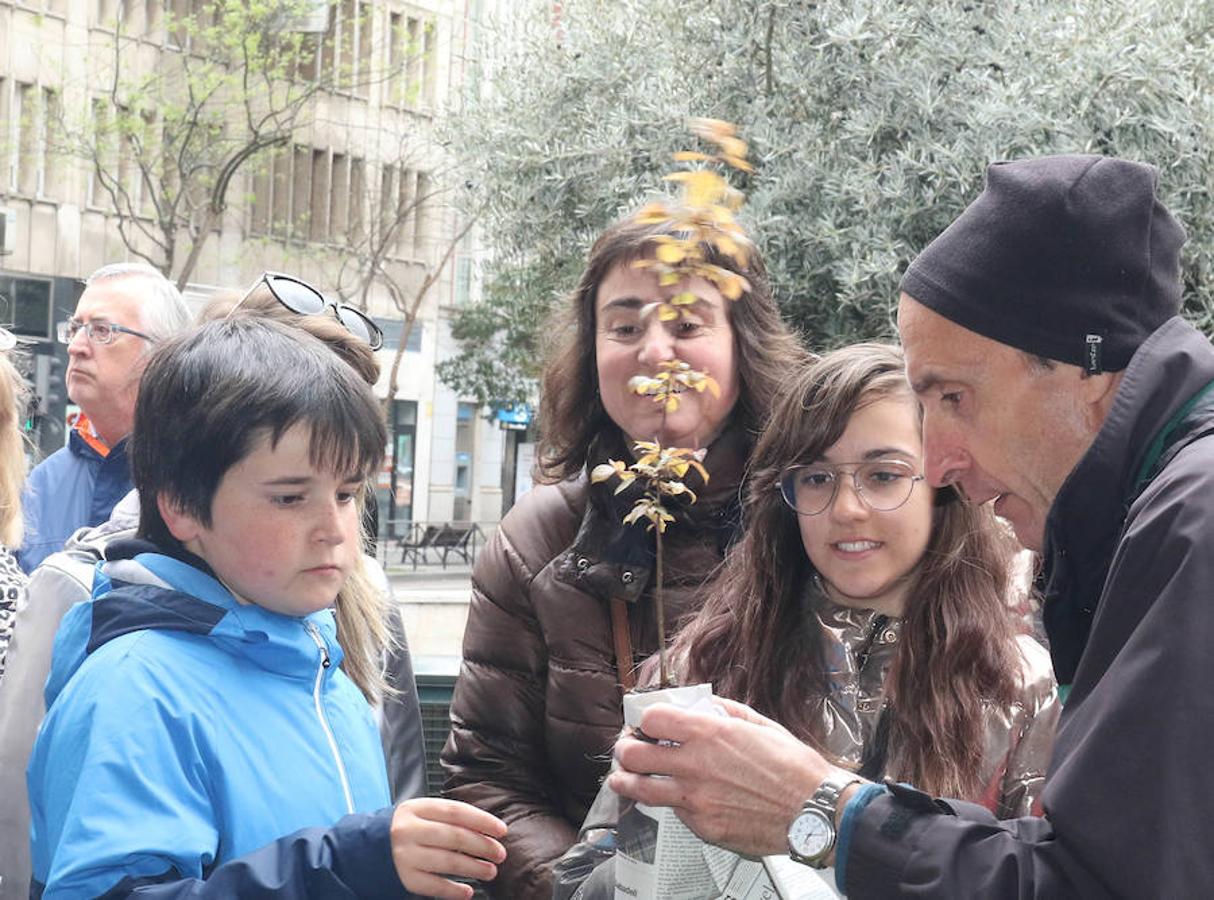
(432, 838)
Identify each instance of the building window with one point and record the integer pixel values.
(98, 196)
(465, 430)
(392, 329)
(412, 61)
(394, 486)
(398, 209)
(463, 280)
(25, 306)
(308, 194)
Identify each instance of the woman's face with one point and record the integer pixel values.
(867, 558)
(630, 340)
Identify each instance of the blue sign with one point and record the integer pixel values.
(514, 418)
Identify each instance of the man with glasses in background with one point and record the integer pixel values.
(124, 310)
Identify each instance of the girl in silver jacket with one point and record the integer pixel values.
(865, 611)
(868, 612)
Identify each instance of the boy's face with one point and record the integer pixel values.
(282, 535)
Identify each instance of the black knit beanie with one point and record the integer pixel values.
(1072, 258)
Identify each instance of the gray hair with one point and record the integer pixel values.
(166, 314)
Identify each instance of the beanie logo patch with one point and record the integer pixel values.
(1092, 354)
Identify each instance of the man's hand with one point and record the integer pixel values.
(432, 838)
(736, 781)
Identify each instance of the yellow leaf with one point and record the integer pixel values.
(684, 298)
(672, 403)
(670, 253)
(666, 312)
(713, 387)
(652, 213)
(711, 129)
(601, 473)
(731, 286)
(699, 468)
(690, 156)
(733, 146)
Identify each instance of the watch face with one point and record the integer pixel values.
(811, 833)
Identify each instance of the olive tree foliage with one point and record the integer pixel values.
(870, 126)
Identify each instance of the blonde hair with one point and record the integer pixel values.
(13, 393)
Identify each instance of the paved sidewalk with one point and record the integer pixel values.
(434, 608)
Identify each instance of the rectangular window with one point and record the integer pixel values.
(102, 149)
(429, 64)
(259, 213)
(387, 194)
(465, 428)
(398, 52)
(318, 226)
(393, 328)
(280, 191)
(406, 196)
(25, 306)
(107, 13)
(48, 120)
(301, 192)
(463, 280)
(413, 65)
(26, 121)
(422, 201)
(339, 199)
(358, 187)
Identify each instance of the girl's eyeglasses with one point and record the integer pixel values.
(882, 485)
(303, 299)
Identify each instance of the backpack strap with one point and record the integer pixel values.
(622, 638)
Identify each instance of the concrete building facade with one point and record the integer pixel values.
(362, 161)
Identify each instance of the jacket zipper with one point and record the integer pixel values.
(320, 713)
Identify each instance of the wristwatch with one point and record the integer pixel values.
(811, 836)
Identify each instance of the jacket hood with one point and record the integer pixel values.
(140, 588)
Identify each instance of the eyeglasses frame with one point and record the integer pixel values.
(62, 330)
(854, 472)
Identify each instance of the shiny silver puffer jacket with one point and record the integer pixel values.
(859, 649)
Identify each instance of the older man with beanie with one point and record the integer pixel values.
(1057, 379)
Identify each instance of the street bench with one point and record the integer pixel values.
(446, 539)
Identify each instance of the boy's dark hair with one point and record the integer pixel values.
(207, 397)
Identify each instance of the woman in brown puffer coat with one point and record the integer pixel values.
(562, 608)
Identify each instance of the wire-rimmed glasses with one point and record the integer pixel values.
(882, 484)
(98, 331)
(303, 299)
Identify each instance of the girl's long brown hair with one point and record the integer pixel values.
(572, 413)
(756, 640)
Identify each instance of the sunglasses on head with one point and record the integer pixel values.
(303, 299)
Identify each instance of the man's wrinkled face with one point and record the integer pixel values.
(997, 424)
(103, 379)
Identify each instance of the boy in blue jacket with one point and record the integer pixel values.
(201, 738)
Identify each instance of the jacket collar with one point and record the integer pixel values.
(609, 559)
(1087, 517)
(140, 588)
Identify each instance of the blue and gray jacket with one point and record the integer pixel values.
(197, 747)
(74, 487)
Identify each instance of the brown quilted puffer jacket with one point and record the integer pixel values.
(537, 704)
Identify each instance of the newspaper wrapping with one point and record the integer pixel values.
(660, 858)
